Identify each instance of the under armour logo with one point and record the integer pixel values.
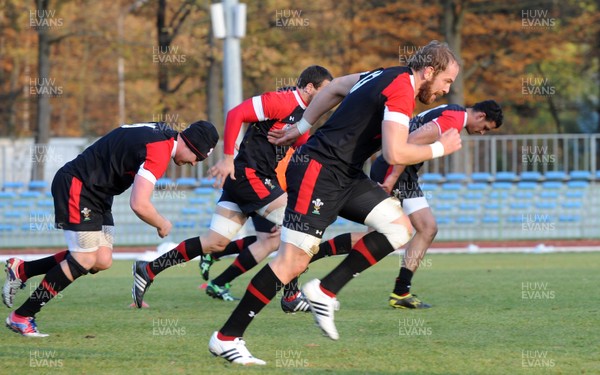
(251, 314)
(292, 118)
(318, 231)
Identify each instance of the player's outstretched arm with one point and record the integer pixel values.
(142, 206)
(327, 98)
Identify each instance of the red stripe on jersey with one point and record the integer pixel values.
(361, 248)
(258, 294)
(74, 197)
(257, 185)
(451, 119)
(307, 186)
(49, 288)
(388, 172)
(333, 248)
(236, 263)
(158, 155)
(400, 95)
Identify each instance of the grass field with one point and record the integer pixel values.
(492, 314)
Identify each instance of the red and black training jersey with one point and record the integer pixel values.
(445, 116)
(353, 133)
(109, 166)
(271, 110)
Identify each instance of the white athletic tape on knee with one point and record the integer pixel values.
(83, 241)
(224, 226)
(276, 216)
(411, 205)
(309, 244)
(382, 218)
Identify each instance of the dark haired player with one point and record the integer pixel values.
(249, 184)
(83, 189)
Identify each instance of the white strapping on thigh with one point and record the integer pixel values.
(411, 205)
(275, 216)
(309, 244)
(382, 217)
(83, 242)
(224, 226)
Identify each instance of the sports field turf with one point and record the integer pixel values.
(492, 314)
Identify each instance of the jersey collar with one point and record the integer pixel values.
(299, 99)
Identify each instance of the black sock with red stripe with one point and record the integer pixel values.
(40, 266)
(368, 250)
(338, 245)
(403, 281)
(185, 251)
(291, 289)
(54, 282)
(244, 262)
(261, 290)
(235, 247)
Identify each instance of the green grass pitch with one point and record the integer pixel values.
(492, 314)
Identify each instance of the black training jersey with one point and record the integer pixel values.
(445, 116)
(271, 110)
(109, 166)
(353, 133)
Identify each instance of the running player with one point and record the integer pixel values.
(325, 179)
(83, 189)
(249, 184)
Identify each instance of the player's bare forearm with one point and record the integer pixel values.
(330, 96)
(142, 206)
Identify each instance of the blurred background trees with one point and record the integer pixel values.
(64, 63)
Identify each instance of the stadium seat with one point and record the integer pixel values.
(441, 220)
(506, 176)
(184, 224)
(473, 196)
(555, 176)
(37, 185)
(7, 227)
(523, 195)
(490, 220)
(580, 175)
(30, 194)
(502, 186)
(477, 186)
(13, 185)
(427, 186)
(531, 176)
(443, 207)
(597, 175)
(498, 195)
(572, 205)
(469, 206)
(519, 205)
(186, 182)
(200, 201)
(492, 206)
(456, 177)
(13, 214)
(546, 205)
(191, 211)
(481, 177)
(450, 186)
(578, 184)
(549, 194)
(207, 181)
(466, 220)
(527, 185)
(569, 218)
(22, 203)
(515, 219)
(204, 191)
(447, 196)
(574, 194)
(432, 177)
(7, 195)
(552, 185)
(45, 203)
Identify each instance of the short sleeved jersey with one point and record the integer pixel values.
(108, 167)
(273, 110)
(353, 132)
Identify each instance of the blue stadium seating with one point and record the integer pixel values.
(531, 176)
(441, 220)
(580, 175)
(13, 185)
(7, 195)
(30, 194)
(528, 195)
(473, 196)
(527, 185)
(204, 191)
(549, 194)
(456, 177)
(555, 176)
(191, 211)
(506, 176)
(477, 186)
(162, 183)
(577, 194)
(490, 220)
(451, 186)
(432, 177)
(186, 182)
(552, 185)
(37, 185)
(469, 206)
(443, 207)
(481, 177)
(465, 220)
(577, 184)
(572, 204)
(447, 196)
(492, 206)
(546, 205)
(502, 185)
(207, 181)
